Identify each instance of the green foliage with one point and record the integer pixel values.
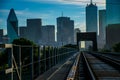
(71, 46)
(105, 50)
(3, 59)
(25, 51)
(116, 47)
(22, 41)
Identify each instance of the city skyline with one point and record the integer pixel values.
(47, 10)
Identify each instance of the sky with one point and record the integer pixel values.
(47, 10)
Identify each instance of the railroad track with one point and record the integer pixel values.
(92, 66)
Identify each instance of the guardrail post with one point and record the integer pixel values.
(55, 54)
(39, 51)
(32, 63)
(49, 57)
(20, 63)
(10, 61)
(44, 54)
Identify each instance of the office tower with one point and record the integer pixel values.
(34, 29)
(65, 30)
(48, 34)
(23, 32)
(77, 30)
(102, 27)
(113, 11)
(91, 20)
(112, 35)
(91, 17)
(1, 35)
(12, 26)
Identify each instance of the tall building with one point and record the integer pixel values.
(102, 27)
(91, 21)
(1, 35)
(65, 30)
(34, 29)
(113, 11)
(91, 17)
(12, 26)
(48, 34)
(23, 32)
(77, 30)
(112, 35)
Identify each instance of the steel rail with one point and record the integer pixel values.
(92, 75)
(72, 73)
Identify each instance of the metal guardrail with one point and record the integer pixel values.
(46, 58)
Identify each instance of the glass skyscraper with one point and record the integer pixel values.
(91, 20)
(91, 17)
(12, 26)
(113, 11)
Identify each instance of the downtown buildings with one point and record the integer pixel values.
(65, 30)
(34, 31)
(40, 34)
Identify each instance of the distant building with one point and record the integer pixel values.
(12, 26)
(23, 32)
(48, 35)
(65, 30)
(77, 30)
(34, 29)
(91, 20)
(113, 11)
(112, 35)
(102, 27)
(1, 35)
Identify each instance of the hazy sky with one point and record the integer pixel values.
(47, 10)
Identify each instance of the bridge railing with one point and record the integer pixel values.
(28, 62)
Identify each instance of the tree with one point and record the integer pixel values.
(71, 46)
(116, 47)
(22, 41)
(26, 46)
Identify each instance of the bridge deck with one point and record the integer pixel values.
(58, 72)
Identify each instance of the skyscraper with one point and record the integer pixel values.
(1, 35)
(102, 27)
(113, 11)
(12, 26)
(23, 31)
(34, 29)
(65, 30)
(91, 17)
(112, 35)
(48, 34)
(91, 20)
